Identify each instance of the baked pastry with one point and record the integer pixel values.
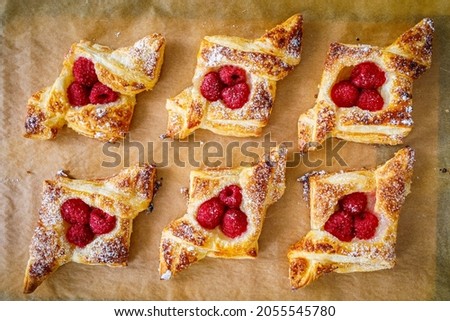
(365, 94)
(234, 83)
(87, 221)
(354, 218)
(95, 91)
(225, 213)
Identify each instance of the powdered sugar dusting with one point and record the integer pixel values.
(99, 135)
(405, 96)
(187, 232)
(44, 251)
(339, 51)
(261, 102)
(33, 124)
(257, 109)
(257, 62)
(365, 48)
(49, 213)
(367, 250)
(215, 56)
(100, 111)
(295, 44)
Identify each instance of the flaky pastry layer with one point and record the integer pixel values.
(127, 70)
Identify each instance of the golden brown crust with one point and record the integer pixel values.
(184, 241)
(266, 60)
(320, 252)
(123, 195)
(403, 61)
(128, 71)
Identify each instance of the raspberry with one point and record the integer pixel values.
(365, 225)
(101, 222)
(344, 94)
(84, 72)
(102, 94)
(340, 224)
(234, 223)
(370, 99)
(75, 211)
(231, 196)
(232, 75)
(211, 86)
(354, 203)
(367, 75)
(78, 94)
(236, 96)
(228, 84)
(80, 235)
(210, 213)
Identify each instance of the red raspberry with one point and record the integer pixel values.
(340, 224)
(84, 72)
(354, 203)
(75, 211)
(232, 75)
(78, 94)
(231, 196)
(370, 99)
(236, 96)
(210, 213)
(344, 94)
(101, 222)
(80, 235)
(366, 225)
(234, 223)
(367, 75)
(102, 94)
(211, 86)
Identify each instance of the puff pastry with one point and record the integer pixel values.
(320, 252)
(128, 71)
(265, 61)
(184, 241)
(403, 61)
(123, 196)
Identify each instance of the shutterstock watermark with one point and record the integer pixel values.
(196, 153)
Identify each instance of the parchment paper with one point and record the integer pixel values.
(35, 35)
